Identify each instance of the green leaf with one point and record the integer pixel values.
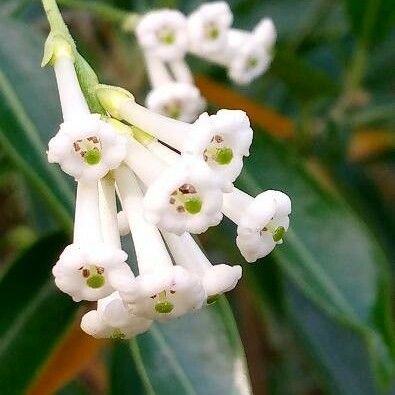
(29, 114)
(329, 254)
(199, 353)
(34, 315)
(371, 20)
(123, 375)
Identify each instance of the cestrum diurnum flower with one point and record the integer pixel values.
(254, 51)
(88, 268)
(179, 198)
(112, 320)
(85, 146)
(176, 100)
(216, 279)
(161, 34)
(161, 290)
(261, 221)
(208, 26)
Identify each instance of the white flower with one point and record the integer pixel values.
(208, 25)
(87, 148)
(160, 291)
(186, 197)
(162, 33)
(221, 140)
(216, 279)
(112, 320)
(250, 62)
(176, 100)
(85, 272)
(251, 53)
(262, 222)
(165, 293)
(265, 32)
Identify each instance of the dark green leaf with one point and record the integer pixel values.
(329, 254)
(34, 315)
(29, 114)
(200, 353)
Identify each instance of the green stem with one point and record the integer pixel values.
(55, 19)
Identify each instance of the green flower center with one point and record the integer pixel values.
(173, 110)
(212, 32)
(92, 156)
(278, 233)
(94, 276)
(186, 199)
(89, 149)
(167, 36)
(223, 156)
(193, 205)
(252, 62)
(95, 281)
(163, 306)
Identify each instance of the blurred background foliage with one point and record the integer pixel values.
(316, 316)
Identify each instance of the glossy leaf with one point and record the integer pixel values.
(329, 254)
(29, 115)
(34, 315)
(196, 354)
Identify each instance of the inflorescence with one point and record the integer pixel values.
(170, 178)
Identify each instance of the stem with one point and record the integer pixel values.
(55, 19)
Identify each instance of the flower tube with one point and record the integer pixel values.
(216, 279)
(161, 291)
(89, 268)
(85, 147)
(261, 221)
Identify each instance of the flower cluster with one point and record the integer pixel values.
(166, 36)
(123, 158)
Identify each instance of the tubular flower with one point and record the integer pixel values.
(161, 291)
(88, 268)
(254, 52)
(216, 279)
(176, 100)
(161, 33)
(179, 198)
(262, 223)
(112, 320)
(87, 148)
(208, 27)
(222, 140)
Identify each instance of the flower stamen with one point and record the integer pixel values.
(163, 306)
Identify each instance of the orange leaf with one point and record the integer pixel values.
(74, 353)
